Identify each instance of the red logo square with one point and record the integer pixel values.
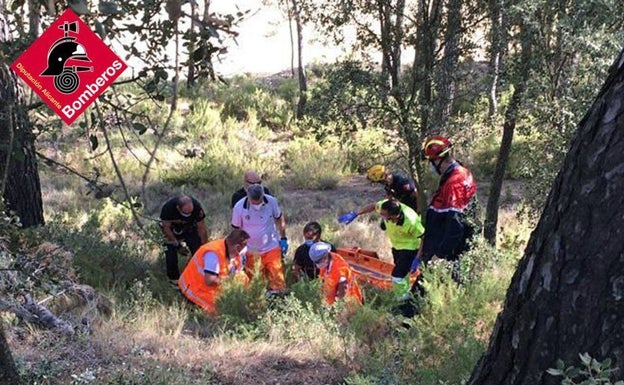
(68, 66)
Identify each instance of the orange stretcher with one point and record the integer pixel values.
(367, 267)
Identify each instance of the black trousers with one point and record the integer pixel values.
(193, 241)
(402, 262)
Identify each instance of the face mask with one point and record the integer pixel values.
(185, 215)
(322, 264)
(257, 207)
(308, 242)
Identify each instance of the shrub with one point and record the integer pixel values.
(314, 165)
(592, 372)
(239, 305)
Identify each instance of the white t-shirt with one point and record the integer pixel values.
(259, 224)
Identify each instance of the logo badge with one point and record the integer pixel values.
(68, 66)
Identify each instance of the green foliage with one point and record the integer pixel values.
(314, 165)
(369, 146)
(217, 154)
(244, 97)
(342, 101)
(238, 305)
(591, 372)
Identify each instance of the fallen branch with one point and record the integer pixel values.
(32, 312)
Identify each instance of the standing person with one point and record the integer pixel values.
(260, 216)
(396, 186)
(303, 265)
(336, 274)
(182, 219)
(404, 228)
(250, 177)
(448, 227)
(213, 263)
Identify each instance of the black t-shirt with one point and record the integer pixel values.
(179, 223)
(241, 193)
(302, 258)
(402, 189)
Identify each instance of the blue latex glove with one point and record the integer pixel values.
(348, 217)
(415, 263)
(284, 245)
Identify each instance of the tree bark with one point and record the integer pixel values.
(567, 296)
(446, 83)
(8, 371)
(509, 126)
(303, 84)
(18, 166)
(495, 10)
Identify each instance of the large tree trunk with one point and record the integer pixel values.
(18, 166)
(567, 296)
(8, 372)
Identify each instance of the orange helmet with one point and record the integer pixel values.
(436, 147)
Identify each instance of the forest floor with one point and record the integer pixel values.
(157, 343)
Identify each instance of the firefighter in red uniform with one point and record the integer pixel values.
(448, 226)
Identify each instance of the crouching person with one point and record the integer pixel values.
(336, 274)
(213, 263)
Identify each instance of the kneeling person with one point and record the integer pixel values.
(336, 274)
(212, 263)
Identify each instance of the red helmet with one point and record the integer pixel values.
(436, 147)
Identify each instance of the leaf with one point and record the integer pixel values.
(554, 372)
(560, 365)
(78, 6)
(100, 30)
(139, 128)
(572, 372)
(108, 8)
(16, 4)
(94, 142)
(585, 358)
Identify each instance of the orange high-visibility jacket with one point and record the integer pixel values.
(192, 282)
(338, 271)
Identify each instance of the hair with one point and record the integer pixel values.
(312, 226)
(184, 200)
(237, 236)
(392, 206)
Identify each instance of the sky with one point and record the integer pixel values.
(263, 46)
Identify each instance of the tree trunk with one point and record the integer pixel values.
(448, 69)
(567, 296)
(495, 11)
(303, 85)
(8, 371)
(18, 166)
(190, 79)
(509, 126)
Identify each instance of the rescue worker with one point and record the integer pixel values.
(303, 265)
(336, 274)
(182, 220)
(260, 216)
(404, 229)
(250, 177)
(450, 222)
(396, 186)
(213, 263)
